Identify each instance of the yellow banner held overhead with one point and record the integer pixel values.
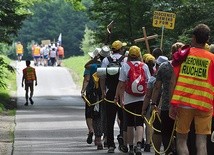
(165, 19)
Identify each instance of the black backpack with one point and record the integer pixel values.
(112, 80)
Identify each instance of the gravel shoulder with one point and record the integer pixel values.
(6, 133)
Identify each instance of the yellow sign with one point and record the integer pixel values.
(46, 42)
(165, 19)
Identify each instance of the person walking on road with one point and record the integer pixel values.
(192, 97)
(132, 94)
(29, 76)
(19, 51)
(108, 85)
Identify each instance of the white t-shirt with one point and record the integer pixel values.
(128, 98)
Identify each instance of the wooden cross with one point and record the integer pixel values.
(146, 38)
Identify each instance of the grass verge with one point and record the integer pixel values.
(76, 67)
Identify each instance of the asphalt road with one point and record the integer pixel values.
(55, 124)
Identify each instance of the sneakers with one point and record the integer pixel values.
(26, 104)
(89, 139)
(111, 149)
(31, 101)
(147, 148)
(138, 149)
(120, 140)
(131, 152)
(99, 147)
(143, 143)
(123, 148)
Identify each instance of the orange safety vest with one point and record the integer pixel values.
(60, 51)
(29, 74)
(36, 51)
(19, 49)
(195, 83)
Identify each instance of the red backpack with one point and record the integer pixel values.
(136, 84)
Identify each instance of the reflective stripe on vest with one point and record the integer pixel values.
(29, 73)
(193, 87)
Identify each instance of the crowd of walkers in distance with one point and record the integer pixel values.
(150, 99)
(43, 55)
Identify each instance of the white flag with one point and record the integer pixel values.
(59, 41)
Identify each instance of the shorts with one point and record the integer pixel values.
(36, 57)
(29, 84)
(19, 55)
(202, 121)
(45, 56)
(132, 120)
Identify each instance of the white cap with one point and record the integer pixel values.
(161, 59)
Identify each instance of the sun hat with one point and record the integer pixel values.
(161, 59)
(105, 51)
(95, 52)
(134, 51)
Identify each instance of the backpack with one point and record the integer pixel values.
(113, 79)
(136, 84)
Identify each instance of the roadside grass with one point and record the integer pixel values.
(6, 93)
(76, 67)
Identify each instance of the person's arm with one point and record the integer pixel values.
(172, 109)
(103, 86)
(146, 101)
(85, 83)
(23, 80)
(119, 96)
(35, 77)
(156, 92)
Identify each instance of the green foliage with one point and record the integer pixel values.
(88, 43)
(76, 64)
(51, 19)
(4, 69)
(131, 15)
(12, 14)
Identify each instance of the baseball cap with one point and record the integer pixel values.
(134, 51)
(95, 52)
(148, 57)
(161, 59)
(117, 45)
(105, 51)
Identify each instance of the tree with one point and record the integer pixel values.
(51, 19)
(131, 15)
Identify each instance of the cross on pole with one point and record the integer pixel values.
(146, 38)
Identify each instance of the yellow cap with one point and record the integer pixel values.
(134, 51)
(148, 57)
(117, 45)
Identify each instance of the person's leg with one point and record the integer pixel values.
(166, 131)
(181, 142)
(26, 94)
(201, 144)
(203, 124)
(111, 111)
(111, 115)
(31, 93)
(89, 120)
(210, 144)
